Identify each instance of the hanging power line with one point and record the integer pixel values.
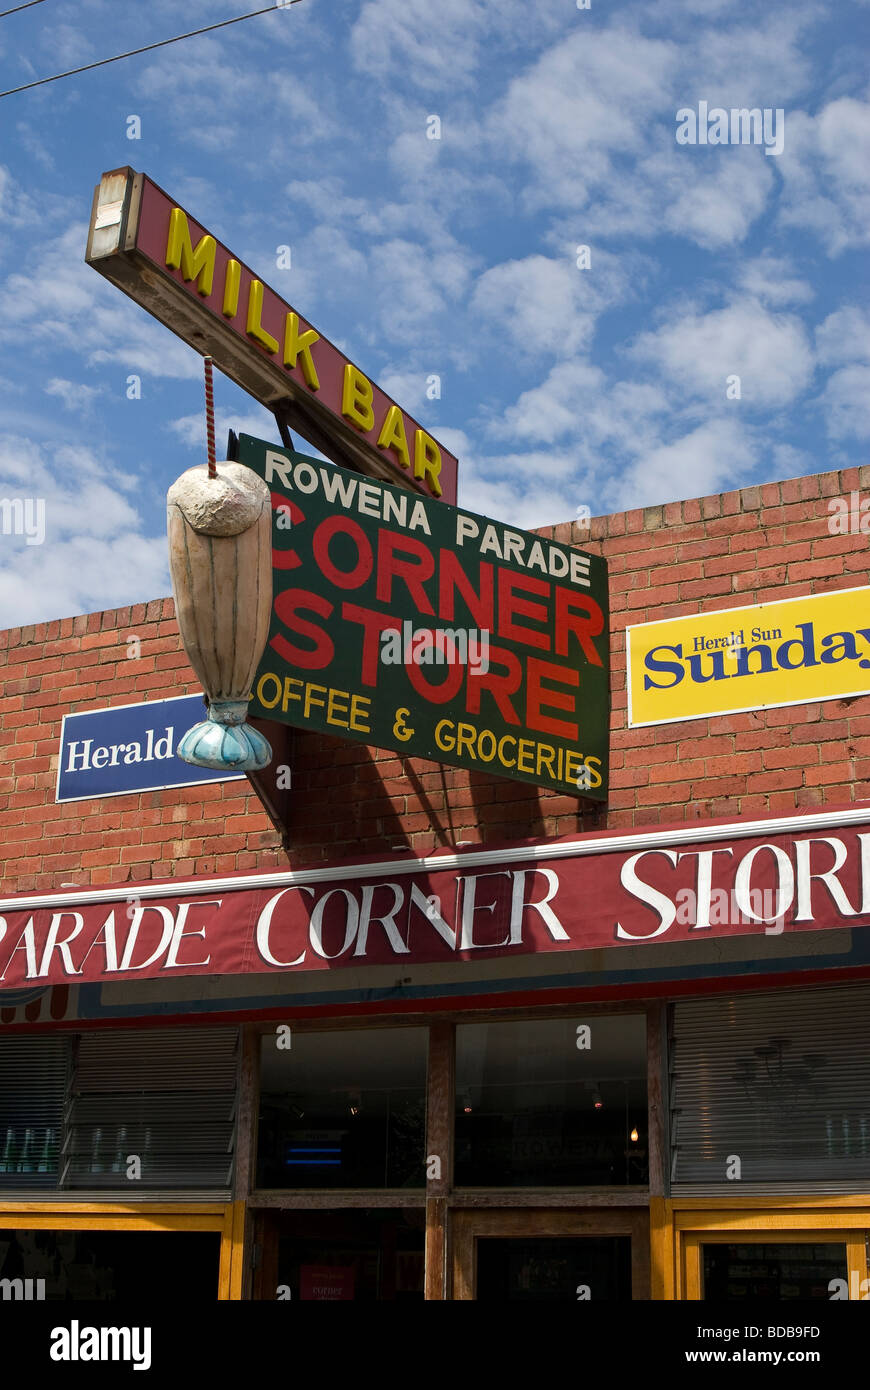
(16, 8)
(279, 4)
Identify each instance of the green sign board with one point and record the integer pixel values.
(409, 624)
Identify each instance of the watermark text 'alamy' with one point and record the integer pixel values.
(739, 126)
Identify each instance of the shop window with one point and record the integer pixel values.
(72, 1265)
(129, 1110)
(772, 1090)
(776, 1270)
(564, 1269)
(343, 1109)
(358, 1255)
(34, 1074)
(165, 1098)
(557, 1103)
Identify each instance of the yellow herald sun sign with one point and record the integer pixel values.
(770, 654)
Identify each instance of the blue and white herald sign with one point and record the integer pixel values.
(129, 748)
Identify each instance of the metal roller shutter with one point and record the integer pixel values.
(34, 1072)
(74, 1108)
(779, 1082)
(167, 1099)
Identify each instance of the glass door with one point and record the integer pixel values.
(535, 1255)
(553, 1269)
(776, 1265)
(355, 1254)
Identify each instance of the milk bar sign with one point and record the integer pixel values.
(431, 630)
(154, 251)
(129, 748)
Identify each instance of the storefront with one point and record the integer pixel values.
(554, 1165)
(674, 1119)
(405, 1029)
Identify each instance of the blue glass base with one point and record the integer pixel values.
(225, 747)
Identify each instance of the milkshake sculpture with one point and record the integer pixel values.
(220, 558)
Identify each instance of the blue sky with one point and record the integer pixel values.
(561, 386)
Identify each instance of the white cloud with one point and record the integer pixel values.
(17, 207)
(843, 342)
(68, 305)
(341, 264)
(712, 197)
(393, 289)
(260, 423)
(440, 46)
(434, 193)
(580, 109)
(552, 410)
(66, 46)
(408, 388)
(763, 63)
(456, 440)
(844, 337)
(413, 285)
(576, 402)
(546, 305)
(324, 198)
(772, 280)
(826, 168)
(74, 395)
(208, 86)
(846, 402)
(93, 555)
(593, 119)
(190, 429)
(435, 43)
(529, 489)
(697, 352)
(713, 202)
(716, 456)
(789, 462)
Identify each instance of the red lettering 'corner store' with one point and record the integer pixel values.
(448, 1035)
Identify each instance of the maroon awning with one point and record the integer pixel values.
(683, 883)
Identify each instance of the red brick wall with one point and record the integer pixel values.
(760, 543)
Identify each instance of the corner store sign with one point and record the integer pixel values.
(148, 246)
(592, 894)
(404, 624)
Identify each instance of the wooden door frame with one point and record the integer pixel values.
(694, 1241)
(225, 1219)
(469, 1226)
(676, 1222)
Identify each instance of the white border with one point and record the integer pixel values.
(741, 709)
(132, 791)
(516, 854)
